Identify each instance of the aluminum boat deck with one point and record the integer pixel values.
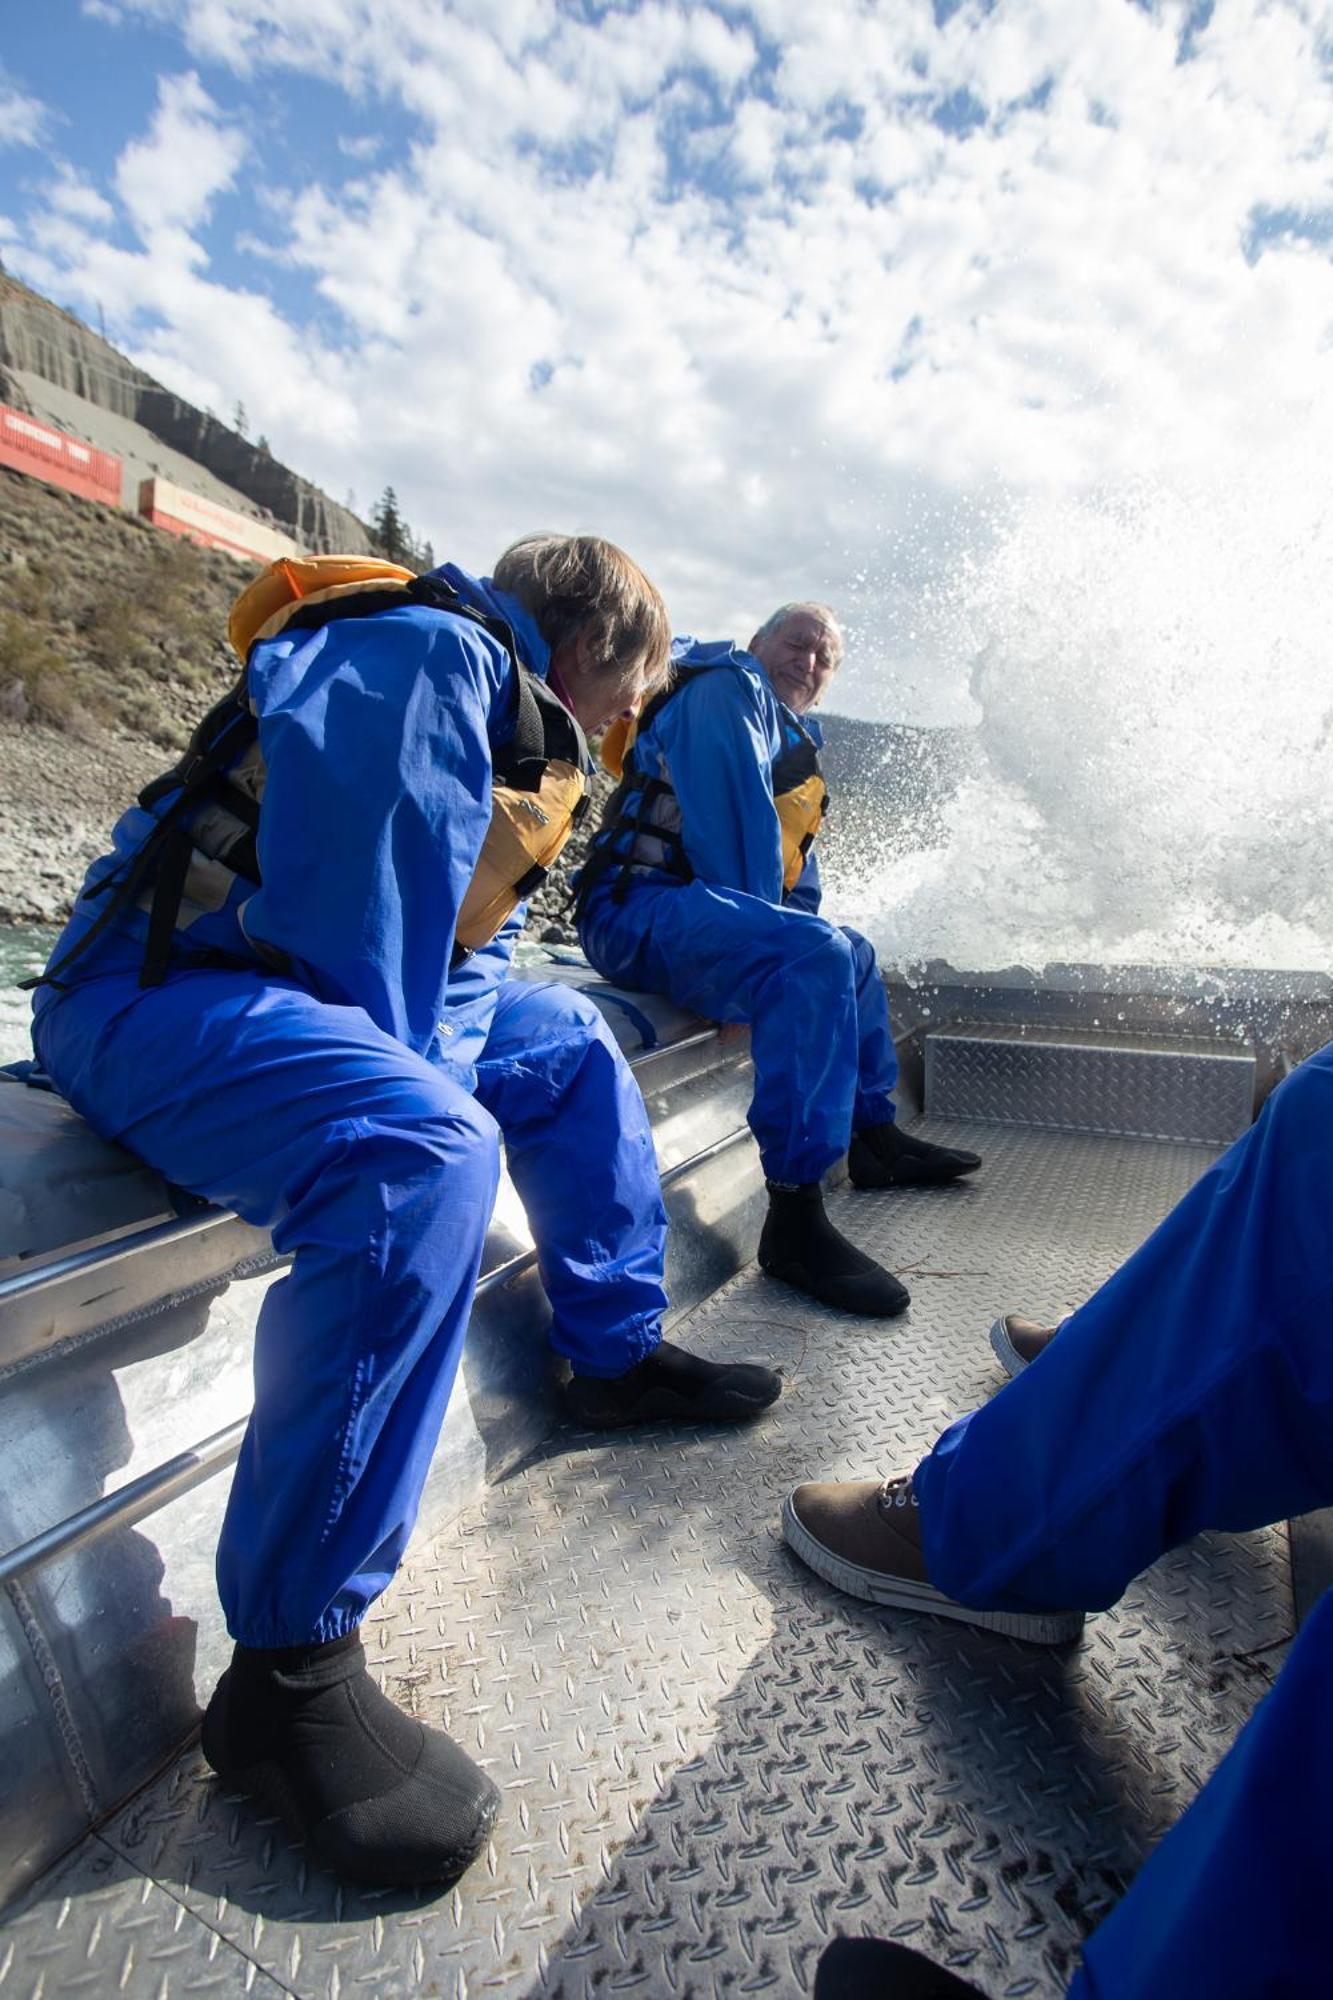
(711, 1762)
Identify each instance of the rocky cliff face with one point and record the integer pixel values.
(37, 338)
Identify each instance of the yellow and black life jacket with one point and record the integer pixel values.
(207, 837)
(641, 826)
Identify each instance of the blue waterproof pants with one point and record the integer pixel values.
(1193, 1391)
(818, 1014)
(377, 1172)
(1233, 1904)
(580, 1153)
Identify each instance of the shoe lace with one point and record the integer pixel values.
(897, 1492)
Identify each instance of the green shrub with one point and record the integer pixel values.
(30, 663)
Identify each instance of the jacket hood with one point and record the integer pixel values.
(689, 652)
(482, 595)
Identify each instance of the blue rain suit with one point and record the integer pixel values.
(728, 943)
(355, 1108)
(1193, 1391)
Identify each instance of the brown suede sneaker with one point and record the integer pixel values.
(864, 1536)
(1018, 1341)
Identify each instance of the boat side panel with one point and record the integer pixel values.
(45, 1775)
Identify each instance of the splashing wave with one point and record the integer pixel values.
(1153, 777)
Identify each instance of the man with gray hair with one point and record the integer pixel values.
(702, 884)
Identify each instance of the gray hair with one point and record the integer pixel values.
(774, 623)
(575, 582)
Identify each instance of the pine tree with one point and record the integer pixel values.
(240, 423)
(390, 529)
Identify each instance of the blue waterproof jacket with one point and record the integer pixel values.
(716, 742)
(378, 735)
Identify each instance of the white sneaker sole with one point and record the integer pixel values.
(1039, 1628)
(1005, 1352)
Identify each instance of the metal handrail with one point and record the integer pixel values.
(104, 1257)
(33, 1295)
(181, 1229)
(153, 1490)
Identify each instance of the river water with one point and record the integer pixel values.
(22, 952)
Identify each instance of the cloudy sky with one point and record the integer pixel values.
(790, 300)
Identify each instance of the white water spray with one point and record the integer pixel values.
(1153, 779)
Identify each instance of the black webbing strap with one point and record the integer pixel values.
(622, 833)
(168, 894)
(798, 760)
(670, 839)
(543, 729)
(205, 746)
(195, 774)
(126, 888)
(525, 756)
(533, 879)
(441, 596)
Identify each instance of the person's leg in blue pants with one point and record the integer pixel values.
(880, 1154)
(1194, 1390)
(580, 1153)
(377, 1174)
(789, 975)
(823, 1056)
(820, 1034)
(1234, 1902)
(876, 1057)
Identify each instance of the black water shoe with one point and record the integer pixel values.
(881, 1969)
(882, 1156)
(379, 1798)
(673, 1385)
(800, 1245)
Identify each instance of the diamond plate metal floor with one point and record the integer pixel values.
(711, 1762)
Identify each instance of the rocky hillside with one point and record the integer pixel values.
(106, 624)
(891, 784)
(111, 647)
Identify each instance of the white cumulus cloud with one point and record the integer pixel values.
(170, 178)
(24, 120)
(791, 301)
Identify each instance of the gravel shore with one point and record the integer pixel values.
(59, 798)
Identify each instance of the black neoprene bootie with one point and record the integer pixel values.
(882, 1156)
(379, 1798)
(669, 1383)
(876, 1969)
(800, 1245)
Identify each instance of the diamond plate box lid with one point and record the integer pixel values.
(1074, 1080)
